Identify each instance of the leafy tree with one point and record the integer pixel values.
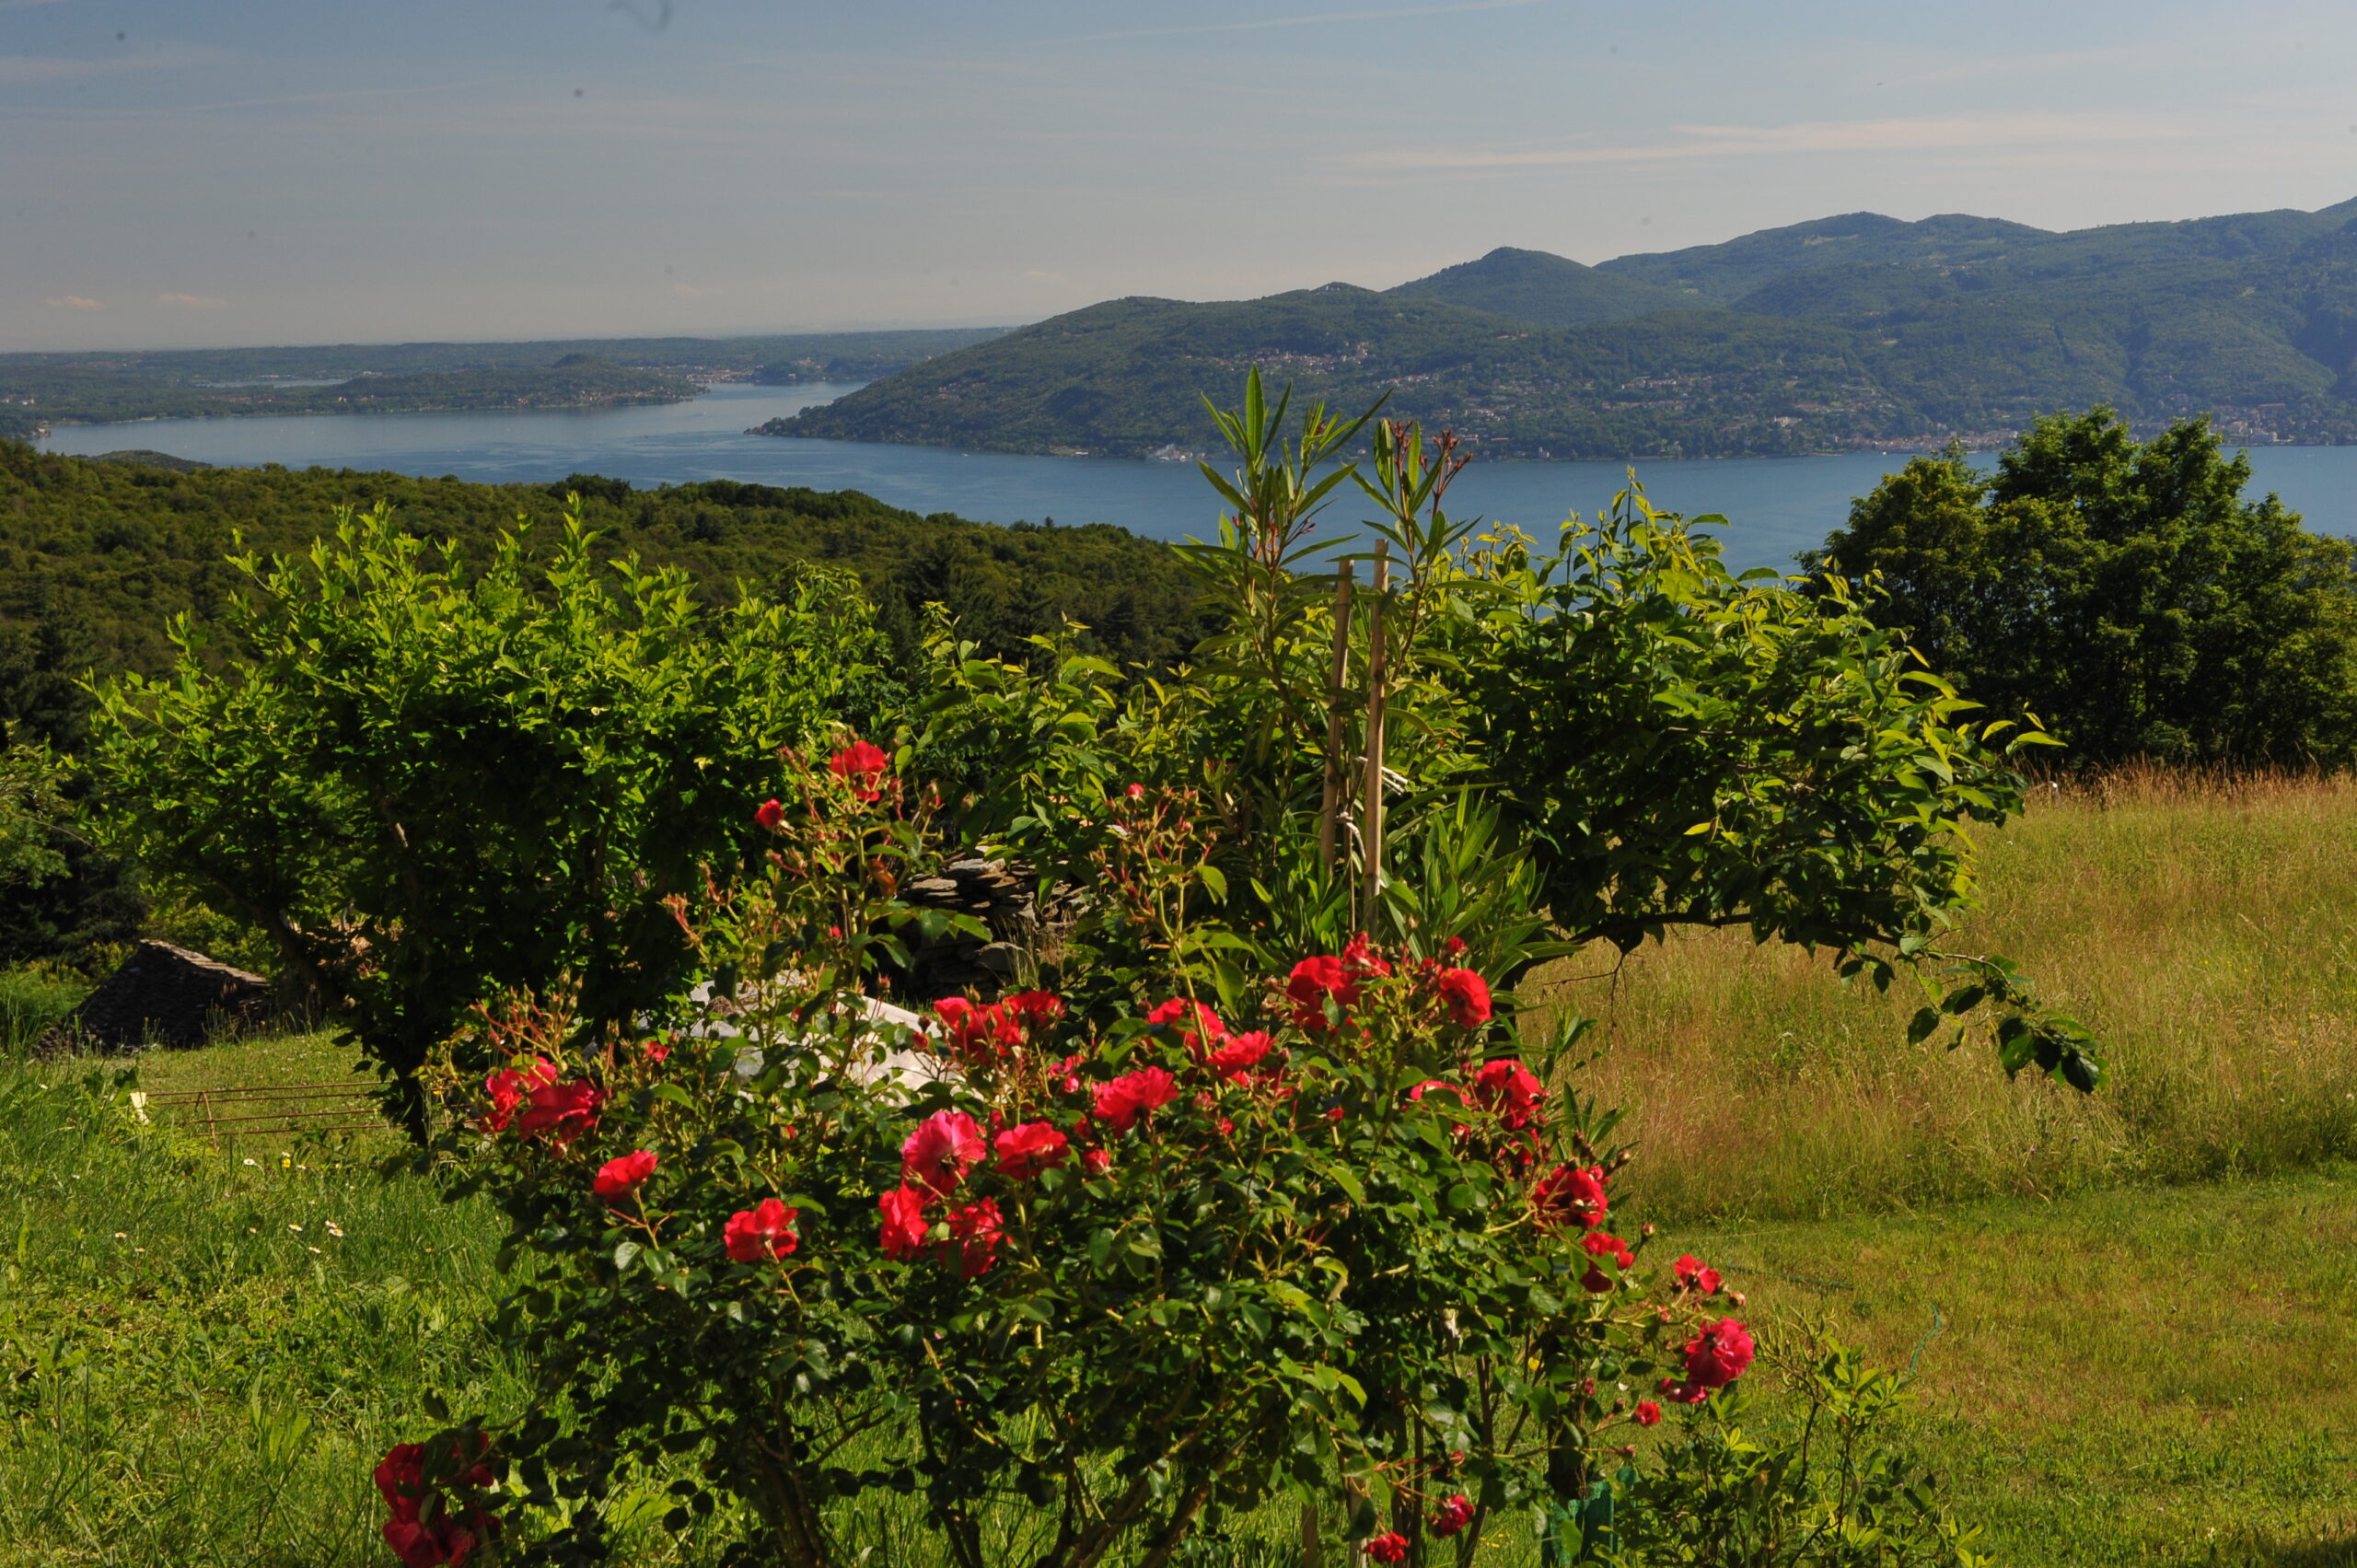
(428, 786)
(2123, 591)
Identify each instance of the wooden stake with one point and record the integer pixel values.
(1330, 814)
(1371, 807)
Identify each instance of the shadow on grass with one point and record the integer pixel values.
(2341, 1552)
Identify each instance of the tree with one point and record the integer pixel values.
(428, 787)
(2124, 592)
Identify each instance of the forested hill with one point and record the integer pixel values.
(1847, 332)
(96, 556)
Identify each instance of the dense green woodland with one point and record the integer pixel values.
(1840, 333)
(95, 557)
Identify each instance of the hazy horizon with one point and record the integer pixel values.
(265, 172)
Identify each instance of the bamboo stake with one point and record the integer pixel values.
(1371, 809)
(1330, 813)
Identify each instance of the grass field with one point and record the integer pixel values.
(2130, 1317)
(2202, 929)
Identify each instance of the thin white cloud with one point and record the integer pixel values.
(191, 301)
(1261, 24)
(1694, 142)
(73, 302)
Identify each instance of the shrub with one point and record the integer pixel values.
(1131, 1273)
(426, 785)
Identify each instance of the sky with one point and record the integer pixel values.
(255, 172)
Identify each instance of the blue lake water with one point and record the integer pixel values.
(1776, 505)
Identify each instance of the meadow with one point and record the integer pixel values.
(2128, 1315)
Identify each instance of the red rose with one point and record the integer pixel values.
(1197, 1025)
(1466, 997)
(1313, 985)
(975, 1230)
(862, 767)
(1122, 1102)
(1693, 1274)
(1598, 1244)
(655, 1051)
(1135, 792)
(1507, 1087)
(507, 1088)
(401, 1478)
(1648, 1413)
(1719, 1354)
(1566, 1195)
(564, 1110)
(979, 1036)
(770, 815)
(942, 1148)
(1452, 1515)
(1035, 1009)
(1390, 1547)
(765, 1230)
(1453, 948)
(621, 1179)
(904, 1224)
(1360, 958)
(1026, 1151)
(1238, 1052)
(1098, 1161)
(444, 1542)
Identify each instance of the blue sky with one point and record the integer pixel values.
(240, 171)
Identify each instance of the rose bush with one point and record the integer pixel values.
(1129, 1269)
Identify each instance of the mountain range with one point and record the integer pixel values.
(1846, 332)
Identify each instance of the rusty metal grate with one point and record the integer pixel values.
(284, 1108)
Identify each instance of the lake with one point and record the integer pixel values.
(1777, 506)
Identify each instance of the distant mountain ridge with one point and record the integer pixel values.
(1851, 332)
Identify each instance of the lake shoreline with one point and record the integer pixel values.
(1779, 505)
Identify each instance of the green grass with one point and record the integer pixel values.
(2144, 1376)
(2202, 929)
(201, 1354)
(31, 1004)
(2115, 1375)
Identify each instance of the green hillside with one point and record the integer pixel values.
(1531, 285)
(1844, 333)
(1126, 379)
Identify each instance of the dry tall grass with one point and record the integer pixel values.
(2204, 927)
